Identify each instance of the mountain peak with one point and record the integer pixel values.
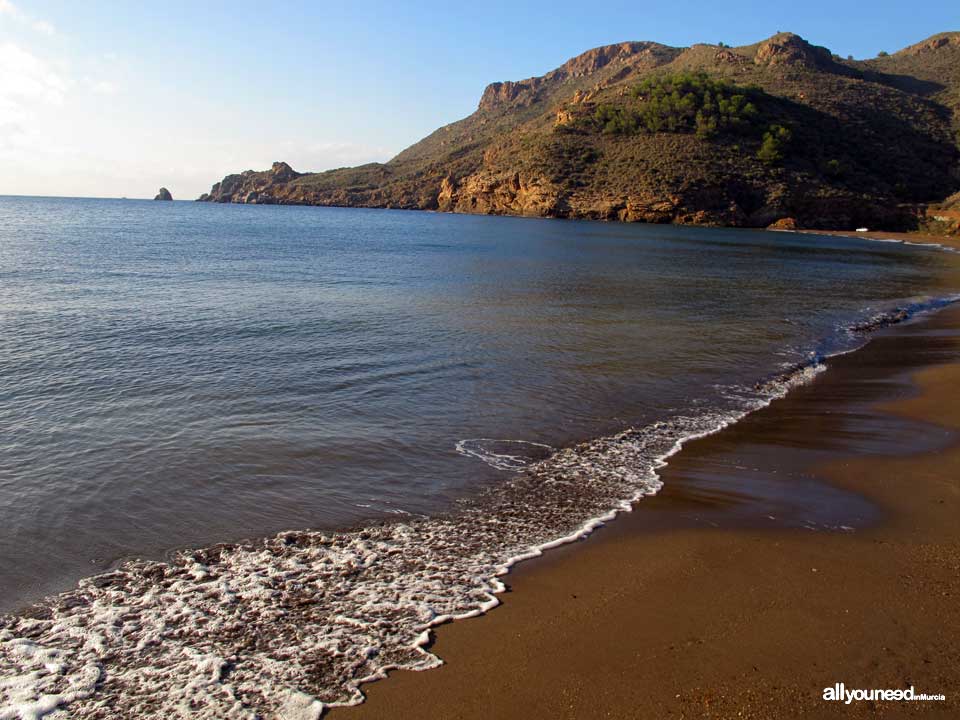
(281, 171)
(786, 48)
(524, 92)
(932, 43)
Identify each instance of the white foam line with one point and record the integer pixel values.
(491, 586)
(498, 461)
(802, 376)
(897, 241)
(916, 243)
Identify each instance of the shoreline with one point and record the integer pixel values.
(909, 238)
(521, 659)
(112, 587)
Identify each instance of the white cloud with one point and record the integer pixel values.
(29, 88)
(25, 78)
(42, 26)
(10, 10)
(100, 87)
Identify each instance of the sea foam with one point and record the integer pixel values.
(290, 625)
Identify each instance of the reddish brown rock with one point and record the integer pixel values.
(790, 49)
(786, 223)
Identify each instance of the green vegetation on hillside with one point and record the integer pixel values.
(686, 102)
(773, 147)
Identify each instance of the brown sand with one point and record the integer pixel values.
(714, 599)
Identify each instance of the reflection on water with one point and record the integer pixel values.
(180, 374)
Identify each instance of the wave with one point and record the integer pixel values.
(288, 626)
(508, 455)
(901, 313)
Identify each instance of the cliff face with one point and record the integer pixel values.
(944, 218)
(638, 131)
(523, 93)
(253, 187)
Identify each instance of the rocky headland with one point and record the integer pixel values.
(780, 133)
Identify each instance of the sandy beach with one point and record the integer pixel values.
(813, 543)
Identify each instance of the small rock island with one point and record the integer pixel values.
(164, 194)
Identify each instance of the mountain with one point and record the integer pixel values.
(781, 130)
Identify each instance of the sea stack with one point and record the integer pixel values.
(164, 194)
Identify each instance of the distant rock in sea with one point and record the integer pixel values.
(164, 194)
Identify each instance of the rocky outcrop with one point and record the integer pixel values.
(944, 218)
(937, 42)
(790, 49)
(787, 223)
(164, 194)
(523, 93)
(255, 188)
(501, 194)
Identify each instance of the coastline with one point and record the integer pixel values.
(712, 600)
(222, 582)
(910, 238)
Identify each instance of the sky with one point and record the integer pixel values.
(115, 99)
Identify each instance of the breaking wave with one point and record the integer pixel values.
(290, 625)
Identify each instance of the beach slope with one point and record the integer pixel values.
(813, 543)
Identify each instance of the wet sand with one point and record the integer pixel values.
(815, 542)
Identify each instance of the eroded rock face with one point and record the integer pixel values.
(252, 187)
(525, 92)
(933, 43)
(725, 56)
(787, 223)
(945, 216)
(501, 194)
(163, 194)
(790, 49)
(499, 94)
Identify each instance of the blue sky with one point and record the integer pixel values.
(118, 98)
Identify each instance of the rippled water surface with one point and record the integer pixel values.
(377, 411)
(177, 374)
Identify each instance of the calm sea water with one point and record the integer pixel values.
(177, 374)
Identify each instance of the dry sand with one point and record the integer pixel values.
(727, 595)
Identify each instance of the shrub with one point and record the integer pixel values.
(833, 168)
(773, 148)
(617, 120)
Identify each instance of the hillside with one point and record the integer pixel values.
(707, 134)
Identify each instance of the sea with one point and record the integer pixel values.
(250, 455)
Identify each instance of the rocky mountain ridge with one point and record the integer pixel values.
(782, 130)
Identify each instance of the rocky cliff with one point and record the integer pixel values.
(782, 130)
(163, 194)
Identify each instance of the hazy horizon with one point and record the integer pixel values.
(104, 100)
